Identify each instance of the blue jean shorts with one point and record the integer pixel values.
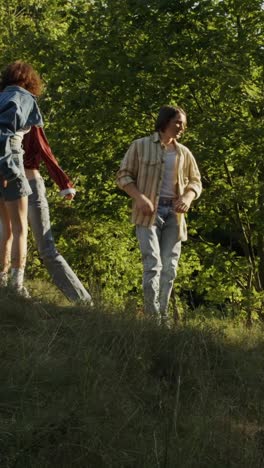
(16, 188)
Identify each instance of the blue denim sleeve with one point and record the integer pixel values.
(30, 114)
(9, 123)
(15, 115)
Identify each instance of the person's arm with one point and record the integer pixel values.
(9, 123)
(126, 180)
(38, 146)
(16, 114)
(143, 203)
(184, 201)
(193, 189)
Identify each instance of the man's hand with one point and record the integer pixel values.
(144, 204)
(183, 203)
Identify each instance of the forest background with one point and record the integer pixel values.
(107, 67)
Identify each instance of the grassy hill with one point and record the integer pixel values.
(98, 388)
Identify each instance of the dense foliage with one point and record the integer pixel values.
(108, 66)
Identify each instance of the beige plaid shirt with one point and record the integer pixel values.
(143, 165)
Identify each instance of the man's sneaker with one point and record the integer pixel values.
(167, 322)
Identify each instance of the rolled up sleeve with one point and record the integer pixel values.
(194, 177)
(128, 171)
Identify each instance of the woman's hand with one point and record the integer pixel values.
(69, 196)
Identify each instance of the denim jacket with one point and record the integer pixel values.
(18, 110)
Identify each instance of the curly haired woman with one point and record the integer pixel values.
(19, 86)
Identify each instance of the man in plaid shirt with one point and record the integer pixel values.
(162, 178)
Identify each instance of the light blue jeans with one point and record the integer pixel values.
(39, 220)
(160, 251)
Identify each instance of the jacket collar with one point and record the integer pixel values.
(156, 139)
(17, 88)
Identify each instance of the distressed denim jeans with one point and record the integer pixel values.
(160, 251)
(39, 219)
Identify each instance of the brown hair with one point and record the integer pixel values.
(21, 74)
(166, 113)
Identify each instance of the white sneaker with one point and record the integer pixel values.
(3, 279)
(23, 292)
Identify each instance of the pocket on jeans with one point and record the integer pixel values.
(159, 221)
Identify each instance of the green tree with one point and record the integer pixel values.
(108, 66)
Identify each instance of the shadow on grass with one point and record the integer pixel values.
(84, 387)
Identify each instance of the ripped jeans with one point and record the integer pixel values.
(160, 251)
(39, 219)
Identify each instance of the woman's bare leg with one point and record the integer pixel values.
(17, 211)
(6, 238)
